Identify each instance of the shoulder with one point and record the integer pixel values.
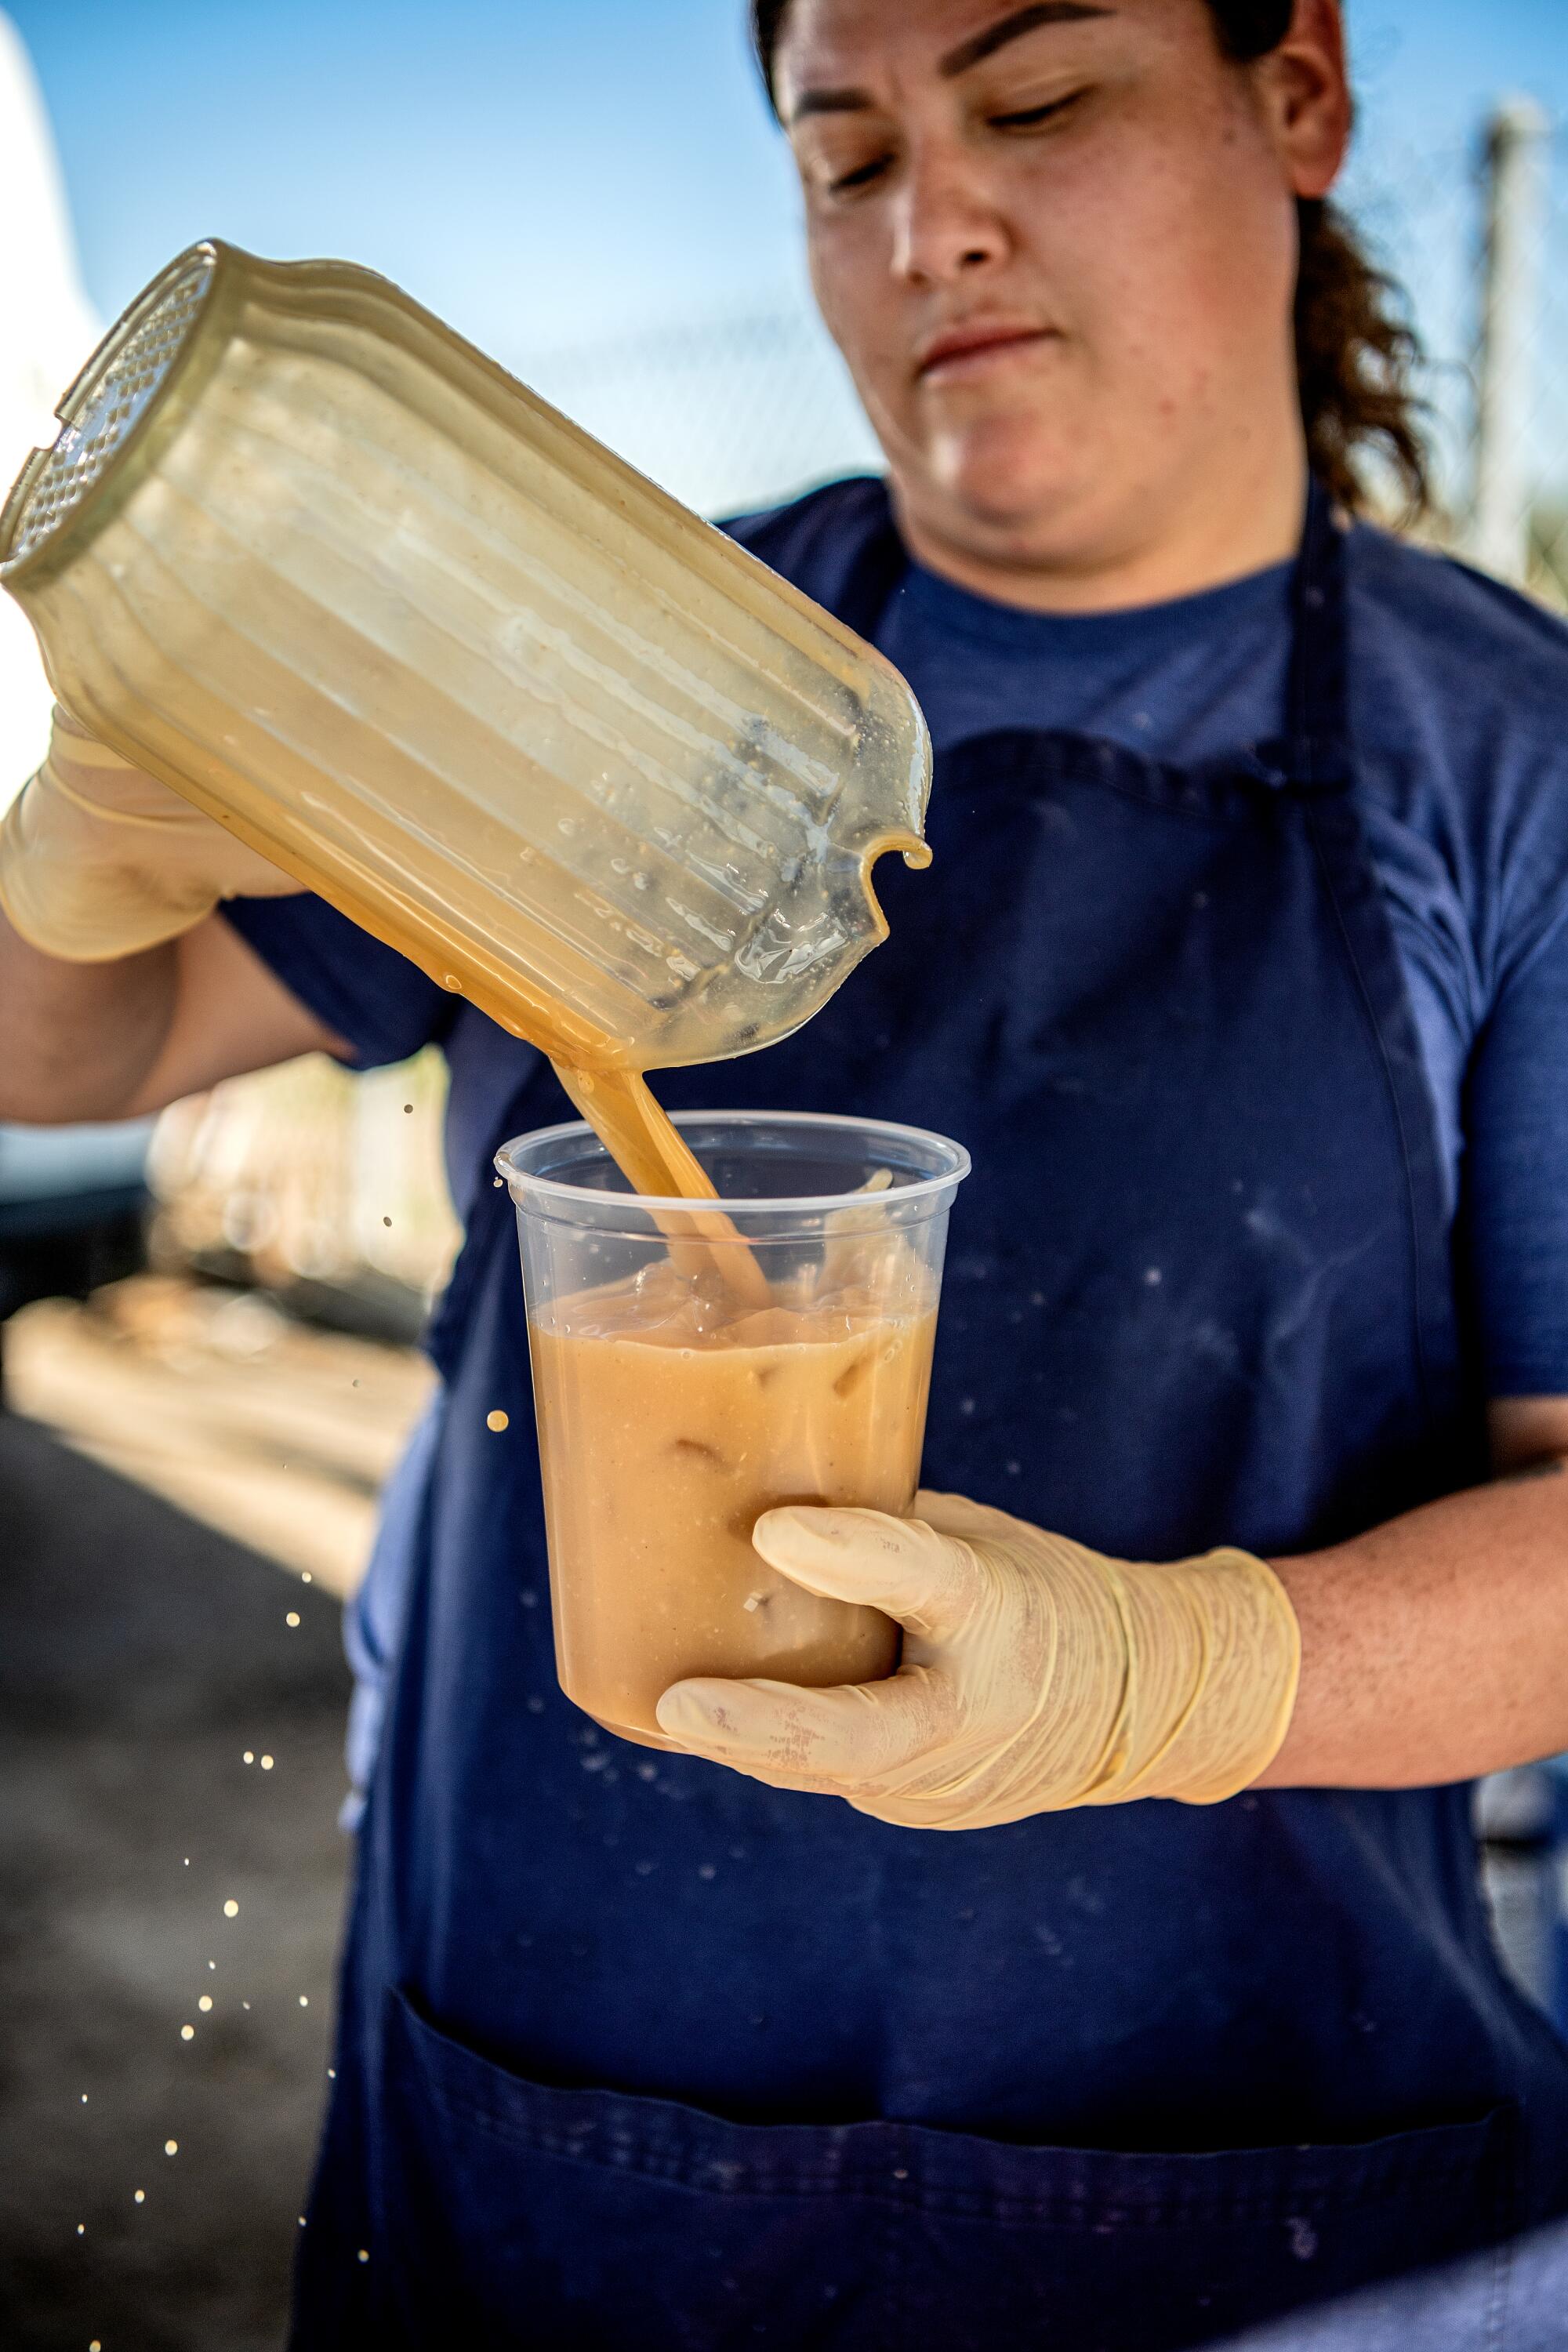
(814, 540)
(1459, 692)
(1484, 637)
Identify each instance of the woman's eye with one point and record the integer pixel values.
(844, 183)
(1029, 118)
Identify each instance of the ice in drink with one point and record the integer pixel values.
(670, 1418)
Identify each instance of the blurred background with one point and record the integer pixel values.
(207, 1325)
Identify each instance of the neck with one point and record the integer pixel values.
(1166, 542)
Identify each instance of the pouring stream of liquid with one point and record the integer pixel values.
(648, 1149)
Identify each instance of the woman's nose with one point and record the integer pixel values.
(945, 226)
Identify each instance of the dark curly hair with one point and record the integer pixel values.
(1356, 353)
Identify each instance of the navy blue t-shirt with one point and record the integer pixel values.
(1459, 715)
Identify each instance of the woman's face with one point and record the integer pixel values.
(1057, 245)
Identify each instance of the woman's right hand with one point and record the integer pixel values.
(99, 860)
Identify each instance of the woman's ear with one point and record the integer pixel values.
(1303, 89)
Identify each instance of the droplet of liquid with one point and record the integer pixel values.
(205, 2001)
(231, 1909)
(292, 1618)
(267, 1763)
(498, 1420)
(141, 2197)
(304, 2000)
(187, 2033)
(171, 2147)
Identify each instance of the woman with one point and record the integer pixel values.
(1242, 970)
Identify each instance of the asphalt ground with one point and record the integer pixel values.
(142, 1655)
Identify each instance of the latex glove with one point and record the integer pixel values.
(1036, 1674)
(99, 860)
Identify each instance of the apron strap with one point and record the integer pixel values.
(1316, 708)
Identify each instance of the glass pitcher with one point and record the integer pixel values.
(330, 574)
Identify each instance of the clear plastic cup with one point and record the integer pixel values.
(674, 1408)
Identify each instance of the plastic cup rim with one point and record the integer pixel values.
(778, 1205)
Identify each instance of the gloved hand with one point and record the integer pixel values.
(99, 860)
(1036, 1674)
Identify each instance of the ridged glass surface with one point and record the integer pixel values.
(411, 632)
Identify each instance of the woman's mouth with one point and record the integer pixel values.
(973, 349)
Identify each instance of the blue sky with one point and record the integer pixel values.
(547, 171)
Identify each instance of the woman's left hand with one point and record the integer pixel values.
(1037, 1674)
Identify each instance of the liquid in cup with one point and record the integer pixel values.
(673, 1412)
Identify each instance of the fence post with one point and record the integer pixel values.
(1514, 175)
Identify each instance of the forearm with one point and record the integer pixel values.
(78, 1040)
(112, 1040)
(1435, 1647)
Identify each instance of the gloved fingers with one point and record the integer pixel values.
(968, 1521)
(81, 743)
(178, 841)
(843, 1740)
(899, 1566)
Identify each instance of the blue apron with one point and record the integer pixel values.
(637, 2052)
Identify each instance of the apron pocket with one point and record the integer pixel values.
(519, 2214)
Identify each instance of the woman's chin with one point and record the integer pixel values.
(1004, 484)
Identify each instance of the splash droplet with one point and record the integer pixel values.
(498, 1420)
(141, 2197)
(231, 1909)
(292, 1618)
(171, 2147)
(187, 2033)
(267, 1763)
(205, 2001)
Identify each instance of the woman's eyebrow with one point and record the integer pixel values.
(985, 44)
(1012, 28)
